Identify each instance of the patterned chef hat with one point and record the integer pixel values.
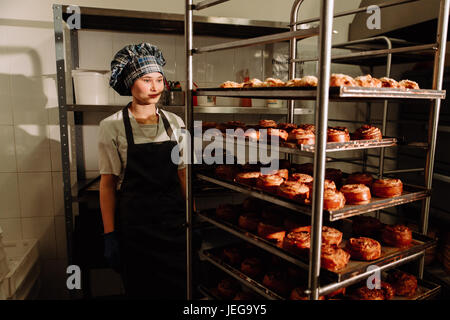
(131, 63)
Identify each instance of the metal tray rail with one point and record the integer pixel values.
(389, 255)
(336, 93)
(410, 193)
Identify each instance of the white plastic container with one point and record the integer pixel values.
(23, 256)
(91, 87)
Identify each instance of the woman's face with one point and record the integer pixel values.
(148, 88)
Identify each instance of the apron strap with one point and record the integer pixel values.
(167, 126)
(127, 123)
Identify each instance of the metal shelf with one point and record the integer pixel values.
(410, 193)
(196, 109)
(336, 93)
(389, 255)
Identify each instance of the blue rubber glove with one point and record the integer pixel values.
(112, 252)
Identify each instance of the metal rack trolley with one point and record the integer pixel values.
(67, 58)
(322, 97)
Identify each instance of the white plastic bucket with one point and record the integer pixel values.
(91, 87)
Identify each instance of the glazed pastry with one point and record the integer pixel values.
(338, 134)
(388, 290)
(301, 178)
(331, 236)
(302, 136)
(252, 83)
(408, 84)
(356, 194)
(269, 183)
(248, 178)
(366, 226)
(368, 132)
(271, 232)
(404, 284)
(333, 258)
(387, 188)
(252, 267)
(389, 83)
(342, 80)
(297, 242)
(362, 248)
(364, 293)
(284, 173)
(251, 134)
(294, 190)
(267, 124)
(249, 221)
(308, 127)
(231, 84)
(397, 235)
(333, 200)
(368, 81)
(280, 133)
(288, 127)
(360, 178)
(272, 82)
(306, 81)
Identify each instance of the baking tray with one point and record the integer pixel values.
(425, 289)
(410, 193)
(388, 254)
(335, 93)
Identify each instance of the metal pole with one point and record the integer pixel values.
(385, 108)
(293, 55)
(190, 127)
(438, 75)
(326, 27)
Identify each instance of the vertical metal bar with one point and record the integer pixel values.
(293, 55)
(438, 76)
(385, 108)
(63, 125)
(188, 33)
(326, 27)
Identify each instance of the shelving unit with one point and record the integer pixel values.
(323, 95)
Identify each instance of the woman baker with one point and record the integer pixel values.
(142, 190)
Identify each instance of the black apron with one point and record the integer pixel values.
(150, 220)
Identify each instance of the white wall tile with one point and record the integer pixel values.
(6, 112)
(12, 229)
(36, 196)
(61, 241)
(42, 228)
(95, 50)
(32, 148)
(9, 196)
(7, 150)
(32, 50)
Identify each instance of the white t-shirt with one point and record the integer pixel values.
(112, 140)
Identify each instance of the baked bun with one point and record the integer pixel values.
(299, 294)
(297, 242)
(388, 290)
(333, 200)
(397, 235)
(288, 127)
(306, 81)
(362, 248)
(272, 82)
(333, 258)
(251, 134)
(360, 178)
(269, 183)
(368, 81)
(253, 83)
(267, 124)
(302, 178)
(366, 226)
(368, 132)
(302, 136)
(408, 84)
(342, 80)
(331, 236)
(283, 173)
(271, 232)
(364, 293)
(252, 267)
(277, 281)
(294, 190)
(387, 188)
(227, 288)
(404, 284)
(249, 221)
(280, 133)
(231, 84)
(247, 178)
(225, 171)
(232, 256)
(389, 83)
(338, 134)
(308, 127)
(356, 194)
(227, 212)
